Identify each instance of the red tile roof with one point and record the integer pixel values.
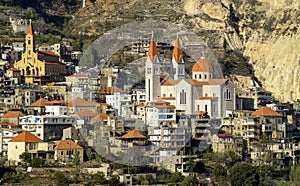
(78, 75)
(170, 82)
(9, 124)
(40, 103)
(66, 145)
(196, 82)
(216, 81)
(266, 111)
(152, 51)
(57, 102)
(53, 63)
(168, 98)
(86, 113)
(225, 135)
(266, 91)
(13, 69)
(201, 113)
(13, 114)
(100, 117)
(133, 134)
(105, 104)
(48, 53)
(139, 105)
(202, 66)
(206, 98)
(177, 52)
(27, 137)
(78, 102)
(113, 89)
(165, 106)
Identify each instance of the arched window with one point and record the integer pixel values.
(28, 71)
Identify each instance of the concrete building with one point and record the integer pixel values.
(7, 132)
(46, 127)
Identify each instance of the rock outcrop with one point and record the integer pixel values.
(256, 38)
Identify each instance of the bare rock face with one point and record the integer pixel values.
(263, 34)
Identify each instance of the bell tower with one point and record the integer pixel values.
(152, 72)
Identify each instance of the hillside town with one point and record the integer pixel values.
(55, 115)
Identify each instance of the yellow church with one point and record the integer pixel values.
(39, 67)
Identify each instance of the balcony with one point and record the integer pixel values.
(29, 128)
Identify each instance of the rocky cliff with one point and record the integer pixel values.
(256, 38)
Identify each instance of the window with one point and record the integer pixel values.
(164, 95)
(29, 41)
(181, 71)
(171, 95)
(205, 108)
(182, 97)
(205, 76)
(200, 76)
(148, 70)
(227, 95)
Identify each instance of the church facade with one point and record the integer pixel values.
(39, 67)
(201, 94)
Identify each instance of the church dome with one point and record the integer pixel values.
(202, 66)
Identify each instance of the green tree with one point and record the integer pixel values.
(89, 154)
(219, 172)
(99, 177)
(76, 159)
(176, 177)
(25, 157)
(75, 173)
(114, 181)
(231, 158)
(98, 158)
(189, 181)
(149, 178)
(295, 176)
(242, 174)
(37, 162)
(141, 179)
(60, 177)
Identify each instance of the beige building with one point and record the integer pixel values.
(65, 150)
(24, 142)
(222, 143)
(39, 67)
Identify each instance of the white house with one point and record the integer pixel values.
(121, 102)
